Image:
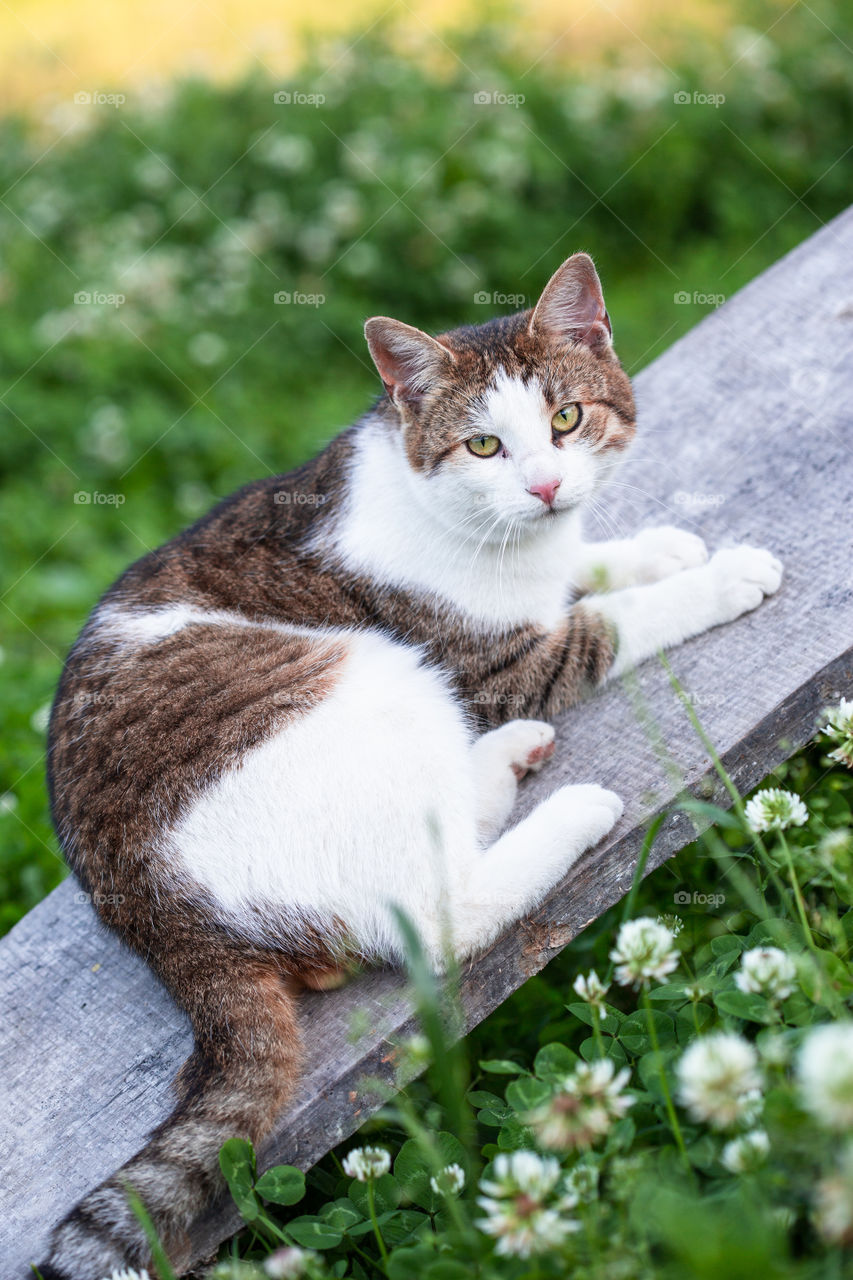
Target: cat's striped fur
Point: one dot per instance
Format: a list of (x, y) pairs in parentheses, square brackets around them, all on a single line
[(264, 722)]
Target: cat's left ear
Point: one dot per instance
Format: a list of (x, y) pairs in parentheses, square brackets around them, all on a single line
[(409, 361), (572, 307)]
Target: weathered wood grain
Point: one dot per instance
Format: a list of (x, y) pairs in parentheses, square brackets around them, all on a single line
[(747, 435)]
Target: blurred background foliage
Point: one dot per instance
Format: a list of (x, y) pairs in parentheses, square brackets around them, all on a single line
[(184, 209)]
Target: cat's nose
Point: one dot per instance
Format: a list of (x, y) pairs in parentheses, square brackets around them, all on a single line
[(547, 491)]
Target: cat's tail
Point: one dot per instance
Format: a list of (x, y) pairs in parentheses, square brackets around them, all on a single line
[(246, 1060)]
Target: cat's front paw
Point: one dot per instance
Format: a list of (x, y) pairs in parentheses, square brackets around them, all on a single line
[(663, 551), (529, 744), (586, 813), (743, 577)]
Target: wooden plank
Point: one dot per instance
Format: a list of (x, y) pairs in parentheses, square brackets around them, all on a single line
[(745, 436)]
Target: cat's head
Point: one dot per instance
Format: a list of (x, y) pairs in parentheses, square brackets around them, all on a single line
[(521, 418)]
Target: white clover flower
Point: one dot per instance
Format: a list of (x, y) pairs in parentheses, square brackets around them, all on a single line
[(417, 1050), (825, 1071), (784, 1216), (583, 1109), (834, 1202), (153, 172), (207, 348), (835, 846), (40, 718), (365, 1163), (234, 1269), (523, 1232), (450, 1180), (671, 921), (752, 1109), (590, 988), (523, 1171), (774, 810), (644, 950), (8, 802), (766, 971), (775, 1049), (290, 154), (580, 1186), (746, 1153), (414, 1056), (290, 1263), (719, 1079), (839, 729), (600, 1079), (520, 1207)]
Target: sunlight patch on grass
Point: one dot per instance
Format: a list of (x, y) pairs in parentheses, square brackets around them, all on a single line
[(50, 50)]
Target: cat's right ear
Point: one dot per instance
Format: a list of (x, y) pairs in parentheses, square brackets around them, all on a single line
[(572, 305), (409, 361)]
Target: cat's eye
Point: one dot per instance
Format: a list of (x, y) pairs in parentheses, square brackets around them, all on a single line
[(484, 446), (566, 419)]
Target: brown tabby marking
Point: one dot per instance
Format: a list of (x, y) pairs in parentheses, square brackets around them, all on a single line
[(566, 373), (247, 1059)]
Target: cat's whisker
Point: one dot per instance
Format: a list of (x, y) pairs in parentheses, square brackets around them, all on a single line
[(631, 489), (475, 518), (517, 547), (469, 518), (509, 530), (624, 484), (494, 524), (603, 516)]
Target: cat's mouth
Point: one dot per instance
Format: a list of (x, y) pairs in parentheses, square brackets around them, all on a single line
[(552, 512)]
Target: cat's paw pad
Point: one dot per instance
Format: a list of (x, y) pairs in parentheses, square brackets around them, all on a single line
[(666, 550), (529, 745), (743, 577), (539, 756)]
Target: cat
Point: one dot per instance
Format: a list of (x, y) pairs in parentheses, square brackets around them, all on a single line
[(319, 701)]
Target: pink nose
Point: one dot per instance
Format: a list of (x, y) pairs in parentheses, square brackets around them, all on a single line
[(546, 491)]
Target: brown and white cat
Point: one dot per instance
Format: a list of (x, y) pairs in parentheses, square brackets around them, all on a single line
[(264, 723)]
